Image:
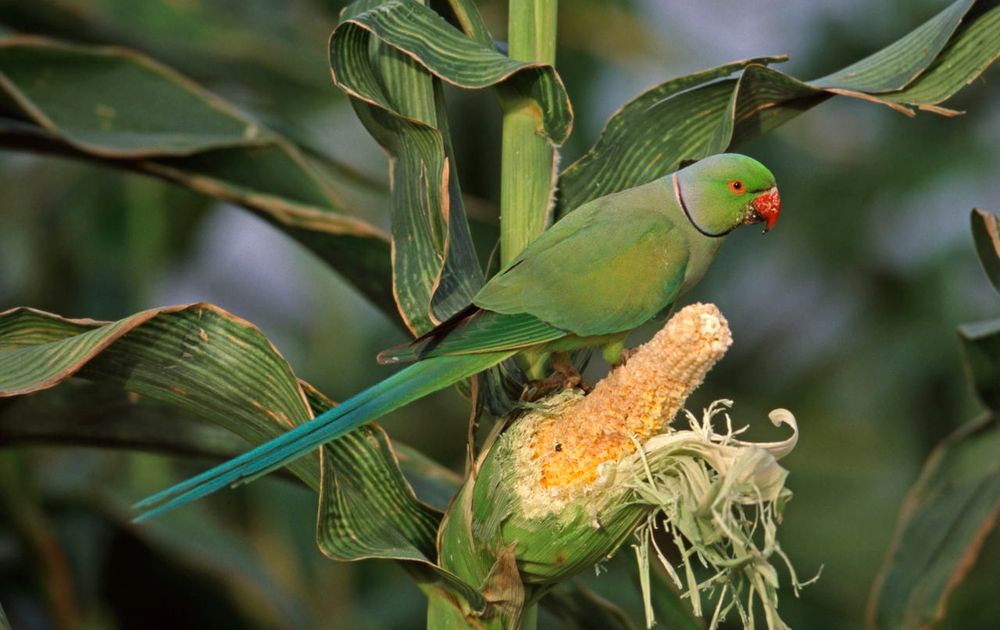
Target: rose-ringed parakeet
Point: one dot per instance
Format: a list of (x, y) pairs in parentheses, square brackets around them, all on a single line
[(590, 279)]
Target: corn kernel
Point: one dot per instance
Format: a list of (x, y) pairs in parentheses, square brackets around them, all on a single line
[(636, 401)]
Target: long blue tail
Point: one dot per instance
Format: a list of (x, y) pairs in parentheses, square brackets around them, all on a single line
[(416, 381)]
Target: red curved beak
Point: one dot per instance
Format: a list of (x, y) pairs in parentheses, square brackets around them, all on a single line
[(768, 207)]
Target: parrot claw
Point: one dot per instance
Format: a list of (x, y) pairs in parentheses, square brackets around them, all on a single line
[(564, 376), (625, 355)]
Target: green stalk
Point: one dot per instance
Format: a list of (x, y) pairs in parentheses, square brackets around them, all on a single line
[(527, 172), (527, 184), (530, 619)]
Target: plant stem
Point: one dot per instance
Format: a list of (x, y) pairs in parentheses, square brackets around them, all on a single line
[(530, 619), (527, 172)]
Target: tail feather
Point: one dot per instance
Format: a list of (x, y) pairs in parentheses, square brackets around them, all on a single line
[(416, 381)]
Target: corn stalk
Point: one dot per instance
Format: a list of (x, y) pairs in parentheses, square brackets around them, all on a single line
[(529, 160)]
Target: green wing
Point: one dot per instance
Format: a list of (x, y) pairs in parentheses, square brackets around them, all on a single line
[(476, 331), (493, 332), (607, 267)]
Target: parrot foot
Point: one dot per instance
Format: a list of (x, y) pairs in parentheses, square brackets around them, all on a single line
[(625, 355), (564, 376)]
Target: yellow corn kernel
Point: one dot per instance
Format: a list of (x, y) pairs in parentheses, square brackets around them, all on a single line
[(634, 402)]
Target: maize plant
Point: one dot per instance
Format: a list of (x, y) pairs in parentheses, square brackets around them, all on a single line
[(561, 478)]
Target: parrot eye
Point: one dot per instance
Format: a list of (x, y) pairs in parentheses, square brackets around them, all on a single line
[(737, 187)]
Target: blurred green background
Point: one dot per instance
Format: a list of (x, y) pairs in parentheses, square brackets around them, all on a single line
[(845, 314)]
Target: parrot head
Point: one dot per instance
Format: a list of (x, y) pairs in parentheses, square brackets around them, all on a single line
[(725, 191)]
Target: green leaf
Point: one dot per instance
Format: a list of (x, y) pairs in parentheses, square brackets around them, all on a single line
[(251, 49), (99, 100), (104, 415), (944, 522), (399, 104), (986, 235), (719, 109), (574, 603), (970, 51), (390, 57), (122, 109), (433, 483), (222, 369), (955, 503), (981, 345), (366, 508), (449, 55), (470, 20), (893, 67), (204, 545)]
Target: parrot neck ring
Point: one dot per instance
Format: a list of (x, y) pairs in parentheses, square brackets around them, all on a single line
[(687, 213)]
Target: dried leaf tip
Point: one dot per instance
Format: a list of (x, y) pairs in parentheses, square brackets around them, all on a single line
[(636, 401)]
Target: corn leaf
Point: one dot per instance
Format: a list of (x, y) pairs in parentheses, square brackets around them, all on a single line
[(222, 369), (574, 603), (391, 58), (981, 344), (955, 503), (202, 546), (970, 51), (981, 341), (895, 66), (91, 98), (103, 415), (719, 109), (122, 109), (251, 49), (466, 14), (986, 235), (943, 524)]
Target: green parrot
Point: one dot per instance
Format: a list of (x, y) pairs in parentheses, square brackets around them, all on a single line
[(590, 279)]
